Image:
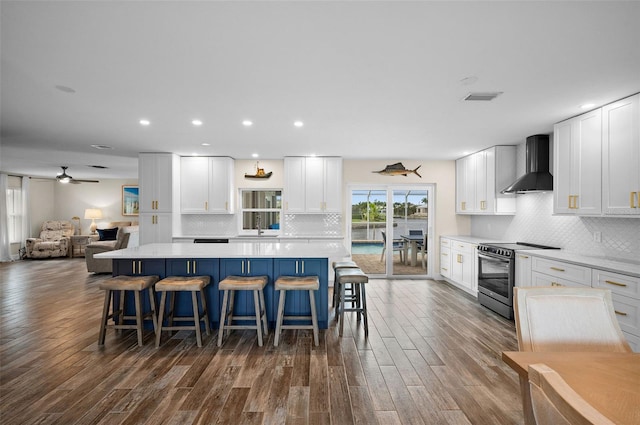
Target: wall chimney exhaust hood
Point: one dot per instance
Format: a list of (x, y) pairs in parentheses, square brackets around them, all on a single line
[(537, 177)]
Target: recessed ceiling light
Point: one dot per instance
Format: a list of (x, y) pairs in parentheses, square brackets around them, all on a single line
[(101, 147), (298, 124), (196, 122), (205, 144), (255, 155), (145, 122), (66, 89), (247, 123), (587, 105)]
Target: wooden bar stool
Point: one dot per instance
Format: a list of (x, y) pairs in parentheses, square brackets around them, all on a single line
[(297, 283), (126, 284), (358, 300), (337, 265), (231, 284), (173, 284)]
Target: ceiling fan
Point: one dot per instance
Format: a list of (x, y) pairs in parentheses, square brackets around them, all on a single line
[(66, 178)]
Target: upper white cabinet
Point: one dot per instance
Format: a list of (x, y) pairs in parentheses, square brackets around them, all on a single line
[(312, 185), (156, 181), (479, 179), (597, 161), (206, 185), (577, 146), (621, 157)]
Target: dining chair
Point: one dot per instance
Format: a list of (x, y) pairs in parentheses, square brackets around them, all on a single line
[(567, 319), (554, 402), (397, 246), (423, 251), (415, 232)]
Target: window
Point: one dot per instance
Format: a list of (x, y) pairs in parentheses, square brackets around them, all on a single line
[(260, 208), (14, 210)]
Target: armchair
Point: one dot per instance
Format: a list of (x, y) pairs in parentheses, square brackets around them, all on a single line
[(127, 237), (54, 240)]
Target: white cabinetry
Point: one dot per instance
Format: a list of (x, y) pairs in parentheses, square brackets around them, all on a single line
[(445, 257), (479, 179), (158, 182), (577, 184), (461, 262), (621, 157), (523, 270), (313, 185), (625, 289), (206, 185)]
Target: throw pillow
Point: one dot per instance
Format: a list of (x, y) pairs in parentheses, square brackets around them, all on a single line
[(108, 234)]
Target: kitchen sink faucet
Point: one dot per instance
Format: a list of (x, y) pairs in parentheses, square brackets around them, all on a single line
[(258, 224)]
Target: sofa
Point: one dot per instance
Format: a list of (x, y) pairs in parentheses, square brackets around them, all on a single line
[(54, 240), (126, 237)]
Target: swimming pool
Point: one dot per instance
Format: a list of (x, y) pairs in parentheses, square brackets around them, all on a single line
[(366, 248)]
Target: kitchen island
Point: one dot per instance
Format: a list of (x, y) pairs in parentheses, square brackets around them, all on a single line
[(218, 261)]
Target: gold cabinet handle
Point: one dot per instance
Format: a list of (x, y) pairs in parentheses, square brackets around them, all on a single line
[(611, 282), (206, 206), (459, 258), (248, 266), (226, 206), (445, 254), (194, 267), (557, 269), (555, 284), (524, 256), (632, 199), (445, 269), (463, 206), (620, 313), (188, 267)]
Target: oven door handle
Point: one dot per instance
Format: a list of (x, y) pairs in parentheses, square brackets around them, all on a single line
[(492, 258)]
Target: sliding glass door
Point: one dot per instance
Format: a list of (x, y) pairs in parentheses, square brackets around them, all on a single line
[(389, 229)]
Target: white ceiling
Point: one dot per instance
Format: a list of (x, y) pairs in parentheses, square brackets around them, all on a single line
[(374, 80)]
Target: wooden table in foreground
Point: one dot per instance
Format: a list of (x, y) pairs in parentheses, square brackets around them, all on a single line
[(610, 382)]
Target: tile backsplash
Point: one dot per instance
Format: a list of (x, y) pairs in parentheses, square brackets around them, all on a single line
[(534, 222)]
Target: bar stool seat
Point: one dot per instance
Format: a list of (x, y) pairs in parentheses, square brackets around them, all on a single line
[(124, 285), (297, 283), (337, 265), (230, 285), (173, 284), (358, 300)]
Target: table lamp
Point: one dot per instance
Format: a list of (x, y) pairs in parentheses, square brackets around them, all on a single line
[(93, 213)]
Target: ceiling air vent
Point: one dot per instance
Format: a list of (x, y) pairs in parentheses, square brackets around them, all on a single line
[(483, 96)]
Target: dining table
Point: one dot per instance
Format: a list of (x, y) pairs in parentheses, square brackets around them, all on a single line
[(608, 381), (413, 241)]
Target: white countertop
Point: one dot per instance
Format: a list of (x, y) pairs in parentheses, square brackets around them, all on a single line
[(469, 239), (268, 249), (616, 265)]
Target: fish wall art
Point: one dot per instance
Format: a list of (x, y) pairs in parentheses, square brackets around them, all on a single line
[(398, 169)]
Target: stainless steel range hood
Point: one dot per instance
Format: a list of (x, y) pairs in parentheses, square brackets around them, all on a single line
[(537, 177)]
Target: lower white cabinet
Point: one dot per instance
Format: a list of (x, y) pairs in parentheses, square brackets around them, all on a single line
[(155, 228), (523, 270), (625, 289), (462, 262)]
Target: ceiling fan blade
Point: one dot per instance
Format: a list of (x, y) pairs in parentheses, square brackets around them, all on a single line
[(72, 181), (84, 181)]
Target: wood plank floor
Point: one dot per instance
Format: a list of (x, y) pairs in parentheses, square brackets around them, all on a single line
[(432, 357)]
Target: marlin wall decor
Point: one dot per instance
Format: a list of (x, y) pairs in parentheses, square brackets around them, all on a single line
[(398, 169)]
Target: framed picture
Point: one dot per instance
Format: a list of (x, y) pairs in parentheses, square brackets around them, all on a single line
[(130, 200)]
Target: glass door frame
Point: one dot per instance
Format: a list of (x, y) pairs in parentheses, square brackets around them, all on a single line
[(430, 188)]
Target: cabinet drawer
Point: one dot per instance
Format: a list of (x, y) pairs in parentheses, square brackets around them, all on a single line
[(578, 274), (541, 279), (617, 283), (463, 247), (628, 313), (445, 243)]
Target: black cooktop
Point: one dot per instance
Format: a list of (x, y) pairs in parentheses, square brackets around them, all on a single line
[(517, 245)]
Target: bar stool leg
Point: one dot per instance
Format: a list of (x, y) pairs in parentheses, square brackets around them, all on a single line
[(154, 313), (256, 302), (280, 316), (163, 299), (225, 300), (264, 313), (105, 317), (207, 327), (314, 317), (341, 319), (232, 302), (121, 303), (364, 309), (136, 295), (196, 318)]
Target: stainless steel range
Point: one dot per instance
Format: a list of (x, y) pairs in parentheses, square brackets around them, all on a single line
[(496, 274)]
